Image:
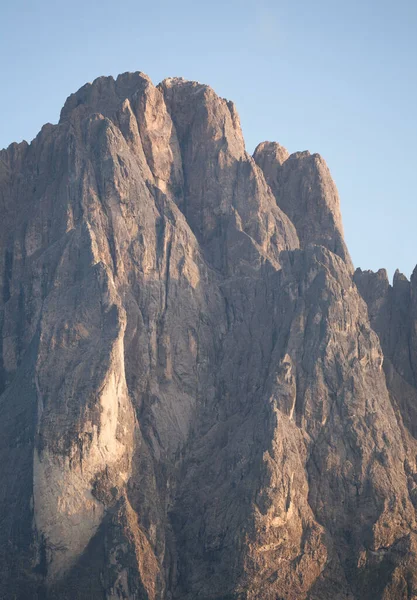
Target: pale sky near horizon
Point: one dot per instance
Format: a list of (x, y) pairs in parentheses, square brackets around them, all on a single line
[(329, 76)]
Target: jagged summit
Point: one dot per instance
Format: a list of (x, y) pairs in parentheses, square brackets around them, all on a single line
[(105, 94), (134, 93), (197, 398), (268, 154), (304, 190)]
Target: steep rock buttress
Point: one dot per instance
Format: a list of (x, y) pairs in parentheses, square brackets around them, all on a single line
[(194, 398)]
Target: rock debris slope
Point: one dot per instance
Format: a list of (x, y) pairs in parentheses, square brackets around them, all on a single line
[(198, 397)]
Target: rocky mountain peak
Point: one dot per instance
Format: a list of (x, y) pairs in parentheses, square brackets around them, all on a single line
[(105, 94), (267, 155), (224, 194), (197, 398), (305, 191)]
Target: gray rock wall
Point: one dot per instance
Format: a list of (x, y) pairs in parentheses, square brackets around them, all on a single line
[(198, 400)]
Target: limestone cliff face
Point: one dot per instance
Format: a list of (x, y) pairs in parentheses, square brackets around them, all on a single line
[(305, 191), (198, 400)]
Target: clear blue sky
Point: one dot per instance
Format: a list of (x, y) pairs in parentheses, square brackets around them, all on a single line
[(330, 76)]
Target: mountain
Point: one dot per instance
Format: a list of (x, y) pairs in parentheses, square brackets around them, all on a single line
[(200, 398)]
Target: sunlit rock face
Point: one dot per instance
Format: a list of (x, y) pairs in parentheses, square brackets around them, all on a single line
[(199, 399), (305, 191)]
